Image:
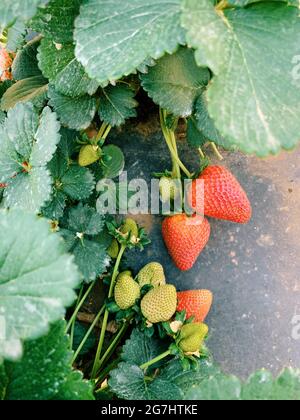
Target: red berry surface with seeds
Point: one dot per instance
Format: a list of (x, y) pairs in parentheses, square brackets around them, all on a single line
[(5, 65), (224, 198), (185, 238), (196, 303)]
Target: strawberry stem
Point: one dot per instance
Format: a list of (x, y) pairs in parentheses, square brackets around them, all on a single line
[(103, 132), (216, 151), (201, 153), (106, 314), (170, 139), (155, 360), (78, 307), (89, 332), (113, 344)]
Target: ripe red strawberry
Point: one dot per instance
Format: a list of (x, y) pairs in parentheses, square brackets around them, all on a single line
[(224, 198), (185, 238), (5, 65), (196, 303)]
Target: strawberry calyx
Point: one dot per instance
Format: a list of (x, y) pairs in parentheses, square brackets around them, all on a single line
[(26, 167)]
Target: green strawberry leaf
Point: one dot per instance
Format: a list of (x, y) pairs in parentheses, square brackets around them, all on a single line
[(259, 387), (139, 349), (28, 144), (247, 93), (128, 382), (185, 379), (68, 143), (81, 235), (176, 90), (205, 123), (69, 181), (54, 209), (23, 9), (195, 137), (4, 86), (85, 220), (113, 161), (243, 3), (44, 372), (25, 64), (56, 21), (78, 183), (117, 104), (16, 35), (28, 191), (32, 90), (75, 113), (53, 58), (90, 255), (114, 38), (2, 117), (262, 386), (36, 279), (219, 387), (60, 66), (79, 334)]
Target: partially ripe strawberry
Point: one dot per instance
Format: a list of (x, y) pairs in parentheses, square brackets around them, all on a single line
[(185, 237), (153, 274), (5, 65), (130, 227), (113, 249), (127, 291), (224, 198), (88, 155), (196, 303), (159, 305), (192, 337)]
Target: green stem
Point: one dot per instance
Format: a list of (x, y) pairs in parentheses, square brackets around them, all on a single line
[(216, 151), (72, 334), (78, 307), (106, 371), (106, 314), (202, 155), (107, 131), (113, 345), (155, 360), (169, 141), (88, 333), (101, 132), (176, 167)]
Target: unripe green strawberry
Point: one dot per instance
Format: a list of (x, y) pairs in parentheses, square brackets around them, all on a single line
[(127, 291), (159, 305), (88, 155), (192, 337), (168, 189), (126, 273), (153, 274), (130, 226), (113, 250)]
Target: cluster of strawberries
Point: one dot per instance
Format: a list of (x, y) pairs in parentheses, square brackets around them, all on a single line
[(6, 61), (223, 198), (162, 302)]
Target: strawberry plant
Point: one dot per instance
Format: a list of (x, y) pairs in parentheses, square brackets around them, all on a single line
[(71, 73)]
